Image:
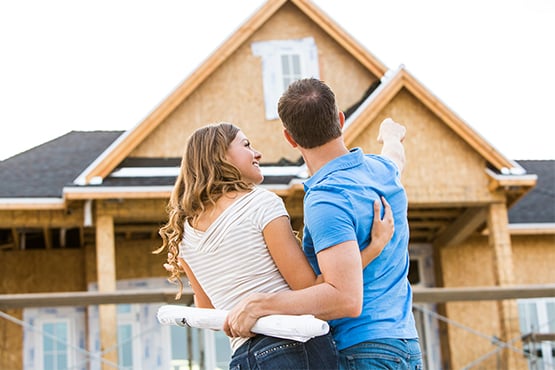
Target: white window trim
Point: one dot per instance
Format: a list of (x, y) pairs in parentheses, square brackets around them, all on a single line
[(540, 305), (271, 52), (132, 319), (157, 343), (39, 340), (423, 254), (33, 335)]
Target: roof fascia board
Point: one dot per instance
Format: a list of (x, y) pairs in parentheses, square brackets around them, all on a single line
[(32, 204), (173, 172), (117, 192), (546, 228), (502, 181), (143, 192), (136, 135), (536, 229)]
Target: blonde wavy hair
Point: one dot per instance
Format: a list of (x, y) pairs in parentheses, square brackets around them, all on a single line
[(205, 175)]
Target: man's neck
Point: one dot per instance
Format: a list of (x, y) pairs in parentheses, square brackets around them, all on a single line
[(318, 157)]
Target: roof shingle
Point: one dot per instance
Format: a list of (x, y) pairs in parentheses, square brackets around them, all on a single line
[(42, 172)]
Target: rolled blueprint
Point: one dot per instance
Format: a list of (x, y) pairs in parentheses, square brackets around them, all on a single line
[(296, 327)]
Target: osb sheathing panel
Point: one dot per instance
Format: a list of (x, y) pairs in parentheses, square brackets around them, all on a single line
[(34, 271), (11, 341), (42, 271), (466, 265), (234, 92), (440, 167), (469, 339), (134, 260), (534, 259)]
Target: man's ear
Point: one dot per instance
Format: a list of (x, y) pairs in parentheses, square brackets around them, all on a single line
[(341, 119), (289, 138)]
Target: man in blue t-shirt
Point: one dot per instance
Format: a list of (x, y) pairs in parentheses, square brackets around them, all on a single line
[(369, 310)]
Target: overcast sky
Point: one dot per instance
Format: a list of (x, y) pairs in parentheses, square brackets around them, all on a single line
[(106, 64)]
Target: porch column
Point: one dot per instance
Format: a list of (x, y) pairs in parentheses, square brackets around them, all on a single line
[(500, 243), (106, 277)]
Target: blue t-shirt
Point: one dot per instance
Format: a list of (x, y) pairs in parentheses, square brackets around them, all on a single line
[(338, 207)]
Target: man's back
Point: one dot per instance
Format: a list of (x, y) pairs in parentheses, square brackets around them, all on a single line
[(338, 207)]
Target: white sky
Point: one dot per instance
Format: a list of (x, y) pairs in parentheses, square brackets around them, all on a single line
[(106, 64)]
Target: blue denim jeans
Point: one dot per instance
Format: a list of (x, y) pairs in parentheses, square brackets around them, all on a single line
[(382, 354), (262, 352)]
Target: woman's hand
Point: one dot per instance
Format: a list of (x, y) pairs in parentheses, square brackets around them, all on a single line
[(381, 232), (241, 318)]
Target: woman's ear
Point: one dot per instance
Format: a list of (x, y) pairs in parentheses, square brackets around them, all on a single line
[(289, 138)]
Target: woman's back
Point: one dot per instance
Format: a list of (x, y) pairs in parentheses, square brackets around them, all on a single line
[(230, 258)]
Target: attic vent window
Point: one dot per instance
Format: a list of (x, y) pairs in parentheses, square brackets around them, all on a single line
[(284, 61)]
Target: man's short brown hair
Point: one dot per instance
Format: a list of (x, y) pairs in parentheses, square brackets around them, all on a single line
[(309, 113)]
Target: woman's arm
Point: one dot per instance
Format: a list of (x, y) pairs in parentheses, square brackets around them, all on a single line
[(291, 261), (200, 298), (288, 255)]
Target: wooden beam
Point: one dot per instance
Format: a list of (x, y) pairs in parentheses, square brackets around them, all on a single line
[(428, 224), (493, 293), (421, 295), (16, 238), (106, 276), (47, 232), (13, 301), (28, 204), (116, 193), (434, 213), (499, 241), (42, 218), (539, 337), (462, 227)]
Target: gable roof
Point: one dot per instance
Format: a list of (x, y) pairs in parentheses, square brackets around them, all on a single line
[(390, 86), (43, 171), (117, 153)]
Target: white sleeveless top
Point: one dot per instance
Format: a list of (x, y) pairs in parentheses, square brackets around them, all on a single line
[(230, 259)]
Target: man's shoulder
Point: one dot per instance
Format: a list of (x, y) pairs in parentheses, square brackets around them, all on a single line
[(385, 162), (324, 196)]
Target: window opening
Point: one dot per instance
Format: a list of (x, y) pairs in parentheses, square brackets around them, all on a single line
[(54, 345), (284, 61), (537, 327)]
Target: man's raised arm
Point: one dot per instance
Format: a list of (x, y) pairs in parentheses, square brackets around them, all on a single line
[(391, 135)]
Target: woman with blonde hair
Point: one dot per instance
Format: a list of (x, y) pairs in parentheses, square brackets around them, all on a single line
[(233, 238)]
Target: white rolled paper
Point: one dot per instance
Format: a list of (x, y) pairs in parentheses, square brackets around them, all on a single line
[(296, 327)]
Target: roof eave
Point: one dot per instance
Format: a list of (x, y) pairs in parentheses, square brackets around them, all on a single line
[(10, 204)]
